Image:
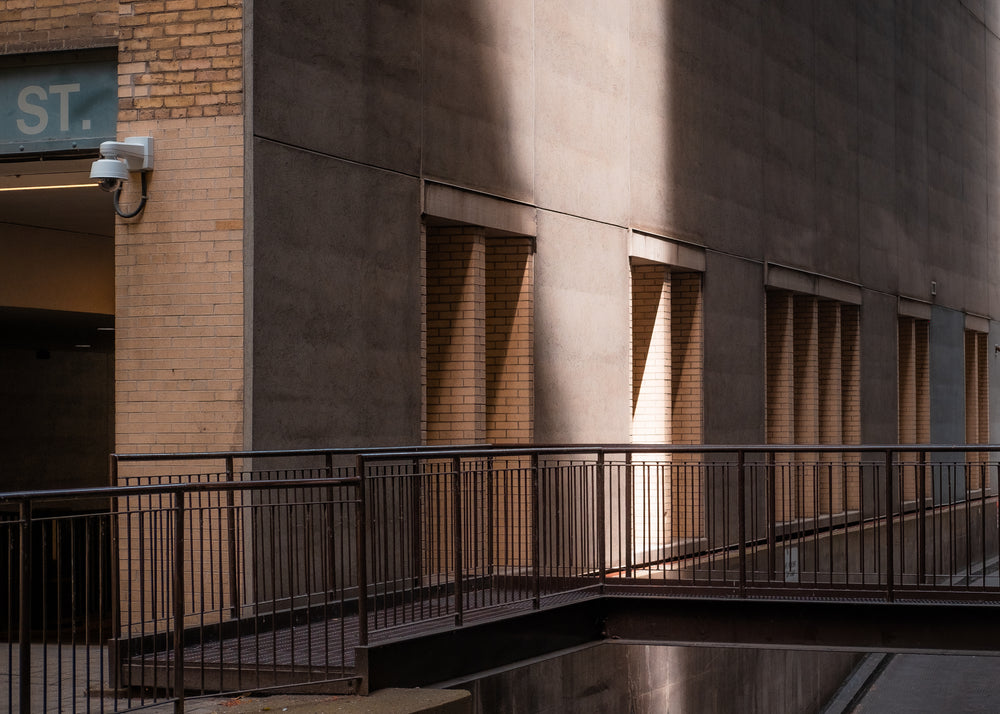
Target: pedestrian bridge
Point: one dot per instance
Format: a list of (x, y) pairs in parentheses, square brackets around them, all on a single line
[(348, 570)]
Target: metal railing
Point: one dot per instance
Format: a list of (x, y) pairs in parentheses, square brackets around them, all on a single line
[(258, 570)]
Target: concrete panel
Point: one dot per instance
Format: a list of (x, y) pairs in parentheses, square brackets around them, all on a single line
[(647, 679), (475, 209), (582, 332), (734, 351), (336, 303), (581, 104), (947, 356), (993, 358), (879, 370), (695, 125), (478, 119), (340, 78)]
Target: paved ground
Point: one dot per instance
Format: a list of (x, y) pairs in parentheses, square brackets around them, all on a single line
[(58, 673), (926, 684)]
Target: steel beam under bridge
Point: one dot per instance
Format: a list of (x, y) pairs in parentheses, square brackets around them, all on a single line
[(959, 628)]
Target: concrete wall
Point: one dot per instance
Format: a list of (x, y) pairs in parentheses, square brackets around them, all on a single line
[(641, 679), (336, 303), (853, 140), (947, 358)]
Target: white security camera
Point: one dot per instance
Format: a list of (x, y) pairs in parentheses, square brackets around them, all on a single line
[(120, 158)]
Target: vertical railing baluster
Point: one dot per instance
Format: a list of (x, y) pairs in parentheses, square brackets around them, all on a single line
[(24, 610), (178, 594), (922, 518), (601, 523), (416, 550), (772, 518), (234, 584), (890, 570), (456, 467), (741, 515), (628, 527), (362, 554), (536, 545)]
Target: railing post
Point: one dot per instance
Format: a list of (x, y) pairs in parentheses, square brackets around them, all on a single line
[(234, 581), (178, 602), (456, 490), (629, 526), (536, 549), (890, 565), (741, 488), (115, 574), (24, 610), (601, 523), (362, 554)]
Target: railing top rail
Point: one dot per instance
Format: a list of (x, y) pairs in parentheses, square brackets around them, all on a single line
[(612, 449), (103, 492), (279, 453)]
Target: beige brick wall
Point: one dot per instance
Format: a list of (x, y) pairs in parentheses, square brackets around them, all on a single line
[(977, 424), (179, 266), (179, 293), (180, 58), (667, 401), (813, 397), (913, 398), (55, 25), (479, 372), (651, 383), (510, 384), (179, 346), (686, 358), (456, 335)]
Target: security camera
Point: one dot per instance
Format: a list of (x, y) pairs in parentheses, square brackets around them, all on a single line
[(119, 159), (109, 183)]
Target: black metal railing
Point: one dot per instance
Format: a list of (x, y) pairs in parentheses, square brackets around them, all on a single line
[(206, 573)]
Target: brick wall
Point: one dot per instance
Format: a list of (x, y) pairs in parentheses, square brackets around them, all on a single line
[(479, 372), (813, 397), (54, 25), (510, 384), (977, 424), (456, 335), (651, 381), (179, 348), (667, 401), (686, 358), (913, 397), (179, 266), (180, 58)]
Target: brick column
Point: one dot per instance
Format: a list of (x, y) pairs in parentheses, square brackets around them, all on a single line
[(456, 335), (510, 384)]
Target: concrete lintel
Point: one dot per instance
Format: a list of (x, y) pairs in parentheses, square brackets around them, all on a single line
[(975, 323), (645, 248), (461, 206), (914, 308), (799, 281)]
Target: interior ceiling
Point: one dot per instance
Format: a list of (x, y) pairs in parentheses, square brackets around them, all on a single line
[(86, 211)]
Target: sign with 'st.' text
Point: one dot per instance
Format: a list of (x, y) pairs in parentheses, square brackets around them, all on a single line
[(57, 107)]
